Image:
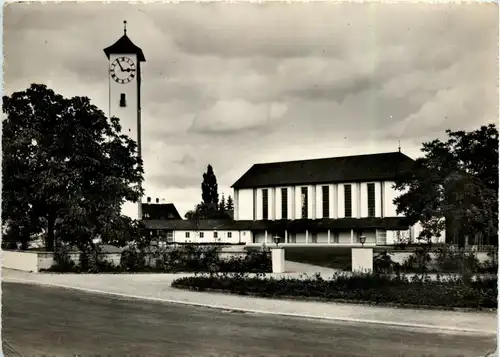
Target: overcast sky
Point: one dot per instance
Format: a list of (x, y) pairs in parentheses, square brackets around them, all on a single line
[(236, 84)]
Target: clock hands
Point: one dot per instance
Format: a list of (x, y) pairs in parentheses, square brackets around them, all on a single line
[(120, 65)]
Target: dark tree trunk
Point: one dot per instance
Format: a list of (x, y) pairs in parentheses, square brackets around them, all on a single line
[(50, 240)]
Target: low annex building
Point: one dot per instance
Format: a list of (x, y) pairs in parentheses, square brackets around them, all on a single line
[(320, 201)]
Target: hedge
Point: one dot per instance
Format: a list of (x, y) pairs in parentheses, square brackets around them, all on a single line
[(174, 259), (452, 292)]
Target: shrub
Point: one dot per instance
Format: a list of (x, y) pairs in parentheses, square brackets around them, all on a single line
[(449, 259), (382, 263), (373, 288), (491, 265), (63, 262), (171, 259), (419, 261), (92, 261), (132, 259)]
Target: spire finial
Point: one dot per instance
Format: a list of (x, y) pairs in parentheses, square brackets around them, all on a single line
[(399, 145), (125, 27)]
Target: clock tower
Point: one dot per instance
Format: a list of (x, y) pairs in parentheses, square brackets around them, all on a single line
[(124, 75)]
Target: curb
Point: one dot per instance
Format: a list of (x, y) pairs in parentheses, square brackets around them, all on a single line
[(255, 311)]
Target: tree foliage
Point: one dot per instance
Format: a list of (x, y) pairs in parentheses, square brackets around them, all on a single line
[(454, 186), (66, 167), (209, 188), (230, 206), (222, 204), (210, 206)]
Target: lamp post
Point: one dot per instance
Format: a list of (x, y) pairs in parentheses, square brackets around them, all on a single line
[(276, 239), (362, 240)]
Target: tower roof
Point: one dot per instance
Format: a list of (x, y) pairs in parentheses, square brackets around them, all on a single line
[(125, 46)]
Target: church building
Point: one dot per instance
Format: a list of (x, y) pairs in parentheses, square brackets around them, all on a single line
[(320, 201)]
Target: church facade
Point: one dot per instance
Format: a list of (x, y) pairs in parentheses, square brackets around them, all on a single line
[(333, 201)]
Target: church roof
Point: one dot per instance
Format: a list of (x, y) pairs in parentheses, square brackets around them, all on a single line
[(125, 46), (359, 168)]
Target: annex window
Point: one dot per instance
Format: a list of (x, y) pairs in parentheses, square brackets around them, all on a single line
[(325, 190), (187, 234), (371, 200), (215, 235), (229, 234), (265, 203), (284, 203), (303, 202), (201, 234), (123, 102), (348, 200), (170, 236)]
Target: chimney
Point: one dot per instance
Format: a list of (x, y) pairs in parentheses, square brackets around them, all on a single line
[(149, 199), (157, 200)]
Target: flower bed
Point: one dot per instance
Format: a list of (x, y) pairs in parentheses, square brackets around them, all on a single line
[(478, 293)]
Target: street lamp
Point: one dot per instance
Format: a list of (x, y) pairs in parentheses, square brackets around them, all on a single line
[(276, 239), (362, 240)]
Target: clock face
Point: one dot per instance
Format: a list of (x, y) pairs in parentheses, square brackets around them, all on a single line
[(123, 70)]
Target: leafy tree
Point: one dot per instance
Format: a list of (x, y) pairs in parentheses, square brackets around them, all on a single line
[(222, 204), (122, 230), (66, 168), (454, 186)]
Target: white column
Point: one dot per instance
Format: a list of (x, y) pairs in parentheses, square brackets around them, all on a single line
[(273, 213), (382, 199), (329, 238), (254, 204), (235, 205), (352, 236), (313, 199), (265, 236), (335, 200), (358, 198), (286, 236), (307, 236)]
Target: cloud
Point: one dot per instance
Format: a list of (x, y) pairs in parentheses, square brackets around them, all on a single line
[(233, 115), (234, 84)]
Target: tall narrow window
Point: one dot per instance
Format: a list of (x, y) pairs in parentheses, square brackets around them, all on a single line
[(265, 204), (371, 200), (303, 202), (123, 102), (326, 201), (348, 200), (284, 203)]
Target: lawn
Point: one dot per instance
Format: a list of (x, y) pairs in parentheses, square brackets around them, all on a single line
[(329, 257)]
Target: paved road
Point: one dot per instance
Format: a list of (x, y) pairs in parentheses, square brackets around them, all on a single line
[(51, 321)]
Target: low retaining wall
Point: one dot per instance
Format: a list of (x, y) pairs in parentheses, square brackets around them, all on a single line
[(401, 257), (25, 261), (35, 261)]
